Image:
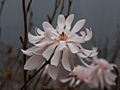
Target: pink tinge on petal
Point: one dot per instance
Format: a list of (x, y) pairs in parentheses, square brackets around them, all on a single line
[(76, 38), (34, 62), (49, 51), (29, 51), (34, 39), (38, 31), (61, 21), (65, 60), (69, 21), (53, 72), (56, 57), (73, 48), (47, 26), (77, 26), (101, 78), (89, 34)]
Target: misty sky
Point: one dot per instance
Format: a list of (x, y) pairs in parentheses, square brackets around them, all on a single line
[(101, 15)]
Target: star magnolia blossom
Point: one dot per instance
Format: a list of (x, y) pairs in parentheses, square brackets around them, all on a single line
[(78, 76), (58, 45), (101, 74)]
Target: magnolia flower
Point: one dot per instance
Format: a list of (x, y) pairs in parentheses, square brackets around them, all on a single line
[(77, 77), (58, 45), (101, 74)]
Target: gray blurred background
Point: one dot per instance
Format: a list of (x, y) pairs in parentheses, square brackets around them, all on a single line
[(102, 16)]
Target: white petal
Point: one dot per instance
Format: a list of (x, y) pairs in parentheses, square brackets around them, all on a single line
[(90, 53), (53, 72), (44, 43), (73, 48), (34, 39), (49, 51), (62, 45), (30, 51), (65, 80), (56, 57), (65, 60), (76, 38), (47, 26), (82, 55), (72, 82), (77, 26), (40, 32), (71, 60), (77, 83), (34, 62), (89, 34), (61, 21), (69, 21)]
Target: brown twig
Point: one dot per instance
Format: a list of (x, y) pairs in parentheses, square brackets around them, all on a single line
[(57, 4), (61, 11), (69, 7), (25, 37), (47, 62), (29, 4), (118, 78)]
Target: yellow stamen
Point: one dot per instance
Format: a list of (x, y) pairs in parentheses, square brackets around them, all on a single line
[(63, 36)]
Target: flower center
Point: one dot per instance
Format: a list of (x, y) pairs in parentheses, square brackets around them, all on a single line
[(63, 36)]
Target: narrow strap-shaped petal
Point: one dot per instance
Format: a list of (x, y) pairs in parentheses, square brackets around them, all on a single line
[(34, 39), (89, 34), (47, 26), (34, 62), (69, 21), (49, 51), (30, 51), (61, 21), (101, 78), (65, 60), (56, 57), (40, 32), (73, 48), (77, 26), (53, 72)]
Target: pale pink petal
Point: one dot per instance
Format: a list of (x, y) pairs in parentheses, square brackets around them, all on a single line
[(44, 43), (109, 77), (77, 26), (61, 21), (63, 73), (76, 38), (90, 53), (82, 55), (34, 39), (56, 57), (53, 72), (34, 62), (30, 51), (73, 48), (100, 76), (69, 21), (47, 26), (72, 82), (40, 32), (89, 34), (71, 59), (65, 80), (77, 83), (49, 51), (65, 60), (62, 45)]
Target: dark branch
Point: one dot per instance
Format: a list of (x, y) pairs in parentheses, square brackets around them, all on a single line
[(28, 7)]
